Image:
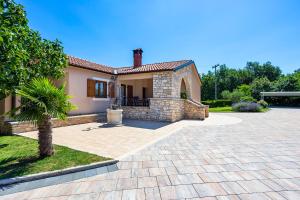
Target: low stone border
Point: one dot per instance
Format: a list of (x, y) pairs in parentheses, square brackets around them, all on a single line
[(10, 127), (22, 183)]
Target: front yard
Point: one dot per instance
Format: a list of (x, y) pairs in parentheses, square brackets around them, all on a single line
[(229, 109), (19, 156), (221, 109)]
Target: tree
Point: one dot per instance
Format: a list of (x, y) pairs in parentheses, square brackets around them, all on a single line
[(24, 55), (260, 85), (245, 89), (287, 83), (41, 101), (208, 84), (265, 70)]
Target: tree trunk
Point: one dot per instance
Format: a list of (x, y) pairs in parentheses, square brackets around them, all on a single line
[(45, 137)]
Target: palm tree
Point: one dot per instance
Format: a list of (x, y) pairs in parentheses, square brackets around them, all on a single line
[(41, 101)]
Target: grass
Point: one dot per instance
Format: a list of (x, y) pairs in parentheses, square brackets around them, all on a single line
[(265, 109), (229, 109), (221, 109), (19, 157)]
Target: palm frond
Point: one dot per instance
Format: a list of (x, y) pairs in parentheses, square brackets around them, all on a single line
[(40, 97)]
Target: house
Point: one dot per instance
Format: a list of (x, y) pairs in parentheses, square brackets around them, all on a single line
[(145, 91)]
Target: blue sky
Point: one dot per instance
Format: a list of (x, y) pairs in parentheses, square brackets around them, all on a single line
[(209, 32)]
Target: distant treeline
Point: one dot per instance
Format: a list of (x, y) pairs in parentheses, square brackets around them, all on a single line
[(258, 77)]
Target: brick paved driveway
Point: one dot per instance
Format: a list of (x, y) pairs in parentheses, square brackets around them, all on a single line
[(258, 158)]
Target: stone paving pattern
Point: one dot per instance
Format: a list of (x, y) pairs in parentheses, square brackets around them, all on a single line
[(258, 158)]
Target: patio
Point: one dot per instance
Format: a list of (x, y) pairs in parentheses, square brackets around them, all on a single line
[(246, 160), (117, 141)]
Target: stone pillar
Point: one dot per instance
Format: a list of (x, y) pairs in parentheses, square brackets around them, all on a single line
[(162, 85)]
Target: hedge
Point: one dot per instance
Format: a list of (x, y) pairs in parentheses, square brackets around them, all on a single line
[(217, 103)]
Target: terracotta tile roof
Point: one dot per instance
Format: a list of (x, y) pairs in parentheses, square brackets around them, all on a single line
[(163, 66), (78, 62)]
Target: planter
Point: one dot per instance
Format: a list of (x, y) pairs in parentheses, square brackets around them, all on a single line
[(114, 116)]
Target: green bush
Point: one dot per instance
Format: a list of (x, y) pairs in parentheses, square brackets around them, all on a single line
[(263, 103), (183, 95), (248, 99), (241, 93), (226, 94), (217, 103), (236, 96), (246, 89)]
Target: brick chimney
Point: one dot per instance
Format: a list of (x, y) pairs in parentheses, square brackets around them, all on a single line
[(137, 57)]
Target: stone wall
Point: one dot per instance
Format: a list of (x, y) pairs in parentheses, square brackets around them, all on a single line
[(167, 109), (9, 127), (193, 110), (132, 112), (162, 85), (160, 109)]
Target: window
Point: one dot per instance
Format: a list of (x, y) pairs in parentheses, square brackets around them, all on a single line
[(100, 89), (96, 88)]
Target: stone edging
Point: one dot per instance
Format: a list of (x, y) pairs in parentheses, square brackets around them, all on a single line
[(43, 175)]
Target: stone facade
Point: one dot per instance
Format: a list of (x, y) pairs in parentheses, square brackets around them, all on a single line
[(9, 127), (166, 109), (131, 112), (166, 104), (193, 110), (163, 85)]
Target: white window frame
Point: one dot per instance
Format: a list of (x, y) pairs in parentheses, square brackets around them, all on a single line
[(105, 80)]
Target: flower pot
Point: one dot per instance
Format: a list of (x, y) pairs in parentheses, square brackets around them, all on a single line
[(114, 116)]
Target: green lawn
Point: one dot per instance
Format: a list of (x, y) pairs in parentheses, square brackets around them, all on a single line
[(19, 156), (221, 109)]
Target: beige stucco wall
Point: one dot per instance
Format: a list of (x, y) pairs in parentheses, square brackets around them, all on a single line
[(77, 88), (195, 86), (135, 76), (192, 82), (5, 105), (63, 80)]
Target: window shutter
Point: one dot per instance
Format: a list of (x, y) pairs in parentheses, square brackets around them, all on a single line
[(91, 88), (111, 87), (105, 89)]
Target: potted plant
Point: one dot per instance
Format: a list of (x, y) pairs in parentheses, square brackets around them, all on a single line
[(114, 114)]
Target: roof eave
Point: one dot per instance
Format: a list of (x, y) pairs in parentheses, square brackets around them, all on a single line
[(183, 65), (87, 68), (150, 71), (187, 64)]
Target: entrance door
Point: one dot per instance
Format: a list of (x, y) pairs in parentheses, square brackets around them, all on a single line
[(129, 91), (123, 95), (144, 92), (130, 95)]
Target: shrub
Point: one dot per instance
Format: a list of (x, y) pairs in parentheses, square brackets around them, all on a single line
[(246, 89), (236, 96), (263, 103), (226, 94), (217, 103), (248, 99), (183, 95), (260, 85), (246, 107)]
